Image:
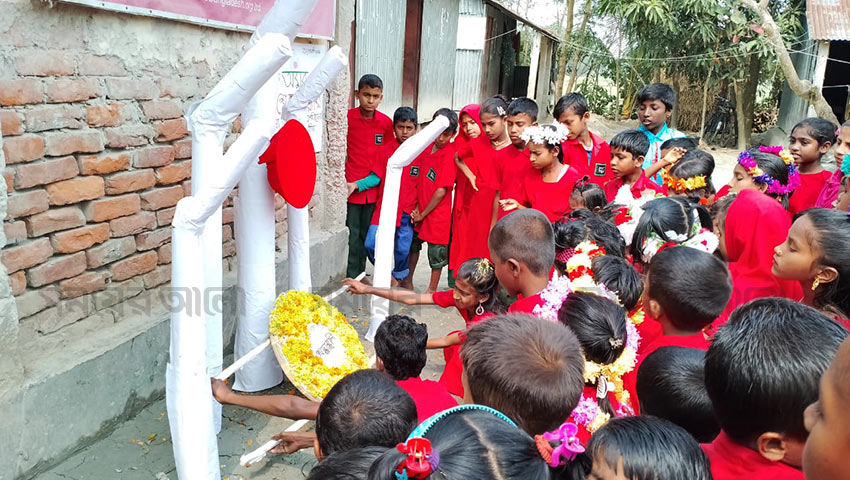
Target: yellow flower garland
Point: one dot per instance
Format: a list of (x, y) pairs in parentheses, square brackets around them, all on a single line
[(293, 311), (680, 185)]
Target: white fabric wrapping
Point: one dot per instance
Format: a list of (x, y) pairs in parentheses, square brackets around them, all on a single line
[(385, 237), (285, 17), (316, 83), (298, 248)]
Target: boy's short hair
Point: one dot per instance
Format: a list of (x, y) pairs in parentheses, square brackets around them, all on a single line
[(688, 143), (764, 367), (632, 141), (348, 465), (528, 368), (400, 343), (370, 80), (671, 385), (658, 91), (405, 114), (569, 234), (451, 115), (366, 408), (524, 105), (527, 237), (691, 286), (619, 276), (572, 101)]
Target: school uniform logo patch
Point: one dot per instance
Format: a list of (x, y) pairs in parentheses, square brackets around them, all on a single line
[(600, 169), (431, 175), (379, 139), (414, 171)]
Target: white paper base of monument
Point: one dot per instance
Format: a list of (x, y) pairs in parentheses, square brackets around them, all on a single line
[(385, 237), (298, 248)]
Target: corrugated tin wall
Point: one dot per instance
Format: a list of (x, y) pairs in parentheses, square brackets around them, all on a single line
[(437, 60), (474, 8), (467, 78), (379, 46)]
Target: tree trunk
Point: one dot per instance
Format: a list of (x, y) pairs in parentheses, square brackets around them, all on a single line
[(677, 90), (743, 141), (565, 47), (704, 104), (749, 98), (582, 30), (617, 62), (802, 88)]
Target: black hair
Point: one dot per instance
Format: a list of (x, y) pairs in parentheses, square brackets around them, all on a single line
[(823, 131), (591, 194), (400, 343), (524, 105), (347, 465), (572, 101), (695, 163), (473, 444), (658, 91), (370, 80), (671, 385), (691, 286), (569, 233), (494, 106), (405, 114), (649, 448), (688, 143), (763, 368), (526, 236), (774, 166), (451, 115), (526, 367), (600, 326), (667, 214), (832, 239), (632, 141), (502, 97), (552, 147), (480, 273), (366, 408), (620, 277)]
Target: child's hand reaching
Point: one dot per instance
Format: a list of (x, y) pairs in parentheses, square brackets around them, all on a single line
[(291, 442), (415, 216), (509, 204), (355, 287), (352, 187), (221, 392), (472, 179), (674, 155)]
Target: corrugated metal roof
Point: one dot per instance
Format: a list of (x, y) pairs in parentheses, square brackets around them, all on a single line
[(507, 11), (828, 19)]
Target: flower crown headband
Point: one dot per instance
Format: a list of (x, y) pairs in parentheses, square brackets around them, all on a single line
[(554, 134), (699, 238), (681, 185), (746, 160)]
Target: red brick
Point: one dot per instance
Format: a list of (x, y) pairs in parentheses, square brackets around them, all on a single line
[(174, 173), (153, 157), (27, 255), (226, 233), (34, 301), (57, 268), (132, 266), (104, 115), (24, 91), (18, 282), (158, 276), (168, 130), (27, 203), (84, 284), (179, 87), (58, 144), (10, 123), (279, 202), (129, 136), (66, 313), (164, 253), (228, 249), (154, 239), (103, 164), (67, 90), (183, 149), (101, 65), (164, 216), (52, 63), (227, 215), (80, 238), (53, 220), (162, 109), (112, 207), (75, 190), (130, 181), (9, 179), (110, 251), (25, 148), (133, 224), (53, 117), (131, 88), (162, 198), (44, 172), (187, 188), (15, 232)]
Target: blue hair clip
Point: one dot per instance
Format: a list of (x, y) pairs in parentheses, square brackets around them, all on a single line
[(425, 426), (845, 165)]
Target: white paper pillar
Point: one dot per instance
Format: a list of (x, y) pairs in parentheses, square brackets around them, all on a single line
[(385, 237)]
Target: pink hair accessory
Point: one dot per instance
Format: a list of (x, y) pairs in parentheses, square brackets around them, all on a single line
[(564, 255), (569, 445)]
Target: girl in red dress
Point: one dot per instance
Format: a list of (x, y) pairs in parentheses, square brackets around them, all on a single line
[(809, 141), (470, 130)]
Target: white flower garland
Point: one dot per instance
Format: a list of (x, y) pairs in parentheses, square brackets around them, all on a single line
[(554, 134)]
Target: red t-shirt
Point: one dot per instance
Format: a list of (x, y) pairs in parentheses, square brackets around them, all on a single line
[(732, 461), (643, 184), (806, 195), (526, 305), (515, 165), (364, 135), (597, 166), (436, 170), (407, 189), (697, 341), (429, 396), (553, 199)]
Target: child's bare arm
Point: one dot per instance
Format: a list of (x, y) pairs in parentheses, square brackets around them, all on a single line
[(438, 196), (289, 406), (447, 341), (400, 295), (466, 172), (673, 156), (291, 442), (495, 215)]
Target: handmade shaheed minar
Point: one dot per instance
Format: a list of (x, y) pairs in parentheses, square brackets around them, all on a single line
[(250, 89)]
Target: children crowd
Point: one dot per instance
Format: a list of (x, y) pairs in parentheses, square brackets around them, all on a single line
[(624, 319)]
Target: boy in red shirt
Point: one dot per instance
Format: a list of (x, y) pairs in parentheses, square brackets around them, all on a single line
[(367, 130), (627, 151), (522, 113), (400, 351), (433, 213), (761, 372), (404, 127), (585, 151)]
